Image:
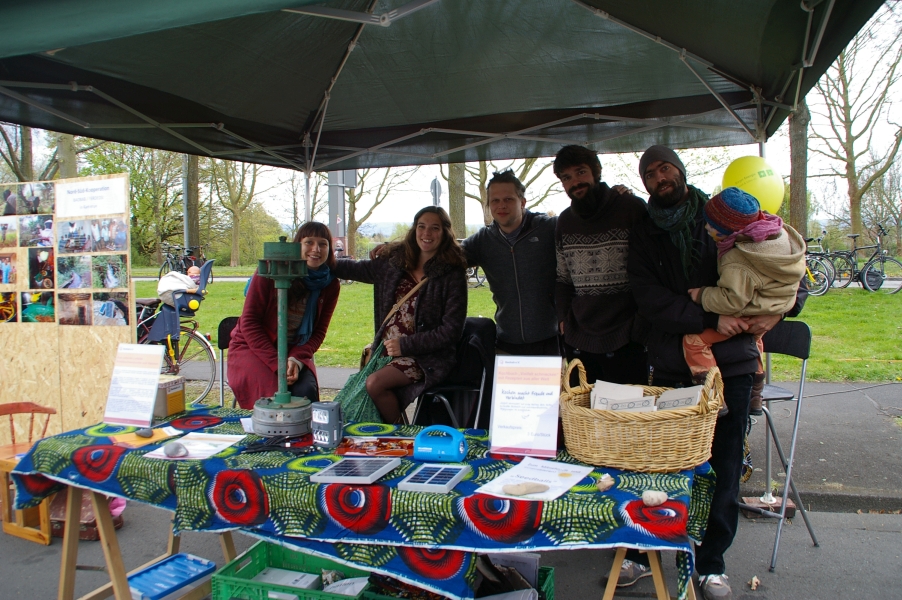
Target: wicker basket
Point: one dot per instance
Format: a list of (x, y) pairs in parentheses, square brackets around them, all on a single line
[(666, 441)]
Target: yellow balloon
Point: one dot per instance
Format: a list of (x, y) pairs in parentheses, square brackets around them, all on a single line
[(752, 174)]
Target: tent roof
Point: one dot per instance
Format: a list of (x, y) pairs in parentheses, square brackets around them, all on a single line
[(435, 81)]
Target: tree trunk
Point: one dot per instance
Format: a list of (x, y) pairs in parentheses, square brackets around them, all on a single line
[(65, 154), (190, 176), (456, 178), (26, 166), (235, 260), (798, 178), (351, 223)]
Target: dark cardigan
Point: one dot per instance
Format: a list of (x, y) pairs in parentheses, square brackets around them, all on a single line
[(440, 313)]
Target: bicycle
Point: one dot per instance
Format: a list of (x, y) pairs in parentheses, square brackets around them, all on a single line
[(188, 353), (194, 257), (818, 251), (878, 267), (171, 262), (474, 278), (817, 276)]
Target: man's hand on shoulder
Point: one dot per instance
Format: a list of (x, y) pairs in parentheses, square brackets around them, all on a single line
[(622, 190), (761, 324), (730, 326)]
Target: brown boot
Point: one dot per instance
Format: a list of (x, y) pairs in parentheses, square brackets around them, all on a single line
[(757, 389)]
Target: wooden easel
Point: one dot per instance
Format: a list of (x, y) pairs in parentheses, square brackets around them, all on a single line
[(657, 574), (118, 585)]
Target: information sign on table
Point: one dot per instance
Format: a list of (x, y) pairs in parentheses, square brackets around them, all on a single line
[(133, 387), (525, 405)]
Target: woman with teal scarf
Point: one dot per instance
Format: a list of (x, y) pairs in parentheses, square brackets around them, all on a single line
[(252, 358)]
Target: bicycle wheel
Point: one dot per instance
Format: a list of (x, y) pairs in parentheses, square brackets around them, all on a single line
[(817, 278), (194, 360), (844, 270), (831, 270), (474, 277), (164, 268), (882, 274)]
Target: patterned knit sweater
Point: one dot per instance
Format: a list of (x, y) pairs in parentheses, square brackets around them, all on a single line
[(592, 292)]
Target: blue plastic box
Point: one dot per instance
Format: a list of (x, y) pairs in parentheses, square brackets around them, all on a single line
[(170, 578)]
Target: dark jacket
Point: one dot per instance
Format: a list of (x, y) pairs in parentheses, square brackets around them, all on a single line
[(440, 313), (521, 277), (661, 291)]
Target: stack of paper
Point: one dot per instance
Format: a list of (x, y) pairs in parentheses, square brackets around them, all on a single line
[(613, 396), (680, 398), (295, 579)]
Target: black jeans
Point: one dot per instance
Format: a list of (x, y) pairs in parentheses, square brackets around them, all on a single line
[(726, 460), (306, 386), (626, 364)]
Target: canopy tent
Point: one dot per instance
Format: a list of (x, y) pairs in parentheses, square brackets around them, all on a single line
[(341, 84)]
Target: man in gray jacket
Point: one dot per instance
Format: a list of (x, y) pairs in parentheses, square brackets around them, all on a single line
[(516, 251)]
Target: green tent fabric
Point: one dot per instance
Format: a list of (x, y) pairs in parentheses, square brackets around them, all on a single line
[(453, 80)]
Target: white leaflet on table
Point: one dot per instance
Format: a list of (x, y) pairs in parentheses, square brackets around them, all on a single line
[(559, 477), (199, 445)]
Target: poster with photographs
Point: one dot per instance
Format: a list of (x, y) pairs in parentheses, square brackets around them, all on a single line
[(64, 252)]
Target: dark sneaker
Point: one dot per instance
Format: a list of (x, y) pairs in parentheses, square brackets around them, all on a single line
[(630, 573), (715, 587)]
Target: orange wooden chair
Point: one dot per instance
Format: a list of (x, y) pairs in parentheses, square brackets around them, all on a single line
[(32, 524)]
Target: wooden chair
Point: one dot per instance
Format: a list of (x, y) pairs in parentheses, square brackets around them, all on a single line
[(31, 524)]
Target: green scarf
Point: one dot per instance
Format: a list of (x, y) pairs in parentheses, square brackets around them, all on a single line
[(677, 220)]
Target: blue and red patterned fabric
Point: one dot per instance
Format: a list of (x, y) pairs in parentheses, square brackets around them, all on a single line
[(425, 539)]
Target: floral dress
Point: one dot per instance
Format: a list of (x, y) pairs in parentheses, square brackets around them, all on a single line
[(403, 323)]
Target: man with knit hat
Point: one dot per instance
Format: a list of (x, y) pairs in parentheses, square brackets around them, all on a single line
[(670, 252), (595, 309)]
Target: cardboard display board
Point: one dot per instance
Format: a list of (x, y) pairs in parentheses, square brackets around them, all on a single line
[(66, 294)]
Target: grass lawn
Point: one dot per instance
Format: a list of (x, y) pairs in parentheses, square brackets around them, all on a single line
[(856, 334)]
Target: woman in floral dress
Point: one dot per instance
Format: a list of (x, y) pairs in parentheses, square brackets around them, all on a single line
[(422, 334)]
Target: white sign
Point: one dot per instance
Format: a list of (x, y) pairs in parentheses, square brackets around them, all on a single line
[(525, 401), (90, 198), (556, 479), (133, 388)]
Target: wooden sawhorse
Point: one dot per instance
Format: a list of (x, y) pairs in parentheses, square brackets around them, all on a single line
[(118, 585), (657, 574)]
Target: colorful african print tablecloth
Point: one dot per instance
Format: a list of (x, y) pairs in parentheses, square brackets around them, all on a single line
[(425, 539)]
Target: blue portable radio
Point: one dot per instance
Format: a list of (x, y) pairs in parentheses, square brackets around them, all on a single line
[(449, 447)]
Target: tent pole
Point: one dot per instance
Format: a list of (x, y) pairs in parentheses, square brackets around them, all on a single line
[(307, 207)]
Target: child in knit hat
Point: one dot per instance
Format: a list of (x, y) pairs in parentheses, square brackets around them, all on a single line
[(760, 261)]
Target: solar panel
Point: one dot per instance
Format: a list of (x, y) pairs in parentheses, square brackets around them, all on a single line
[(356, 470), (434, 478)]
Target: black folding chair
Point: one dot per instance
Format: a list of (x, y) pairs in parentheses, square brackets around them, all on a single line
[(223, 337), (470, 378), (792, 338)]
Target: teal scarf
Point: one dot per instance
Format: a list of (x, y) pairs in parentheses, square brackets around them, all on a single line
[(313, 282), (677, 221)]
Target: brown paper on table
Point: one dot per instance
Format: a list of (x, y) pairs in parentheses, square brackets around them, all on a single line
[(133, 440)]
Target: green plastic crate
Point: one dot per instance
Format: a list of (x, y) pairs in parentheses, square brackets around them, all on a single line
[(546, 586), (234, 579)]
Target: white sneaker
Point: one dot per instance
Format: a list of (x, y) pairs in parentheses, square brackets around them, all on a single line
[(715, 587)]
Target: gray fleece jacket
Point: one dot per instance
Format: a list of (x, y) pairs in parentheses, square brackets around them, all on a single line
[(521, 277)]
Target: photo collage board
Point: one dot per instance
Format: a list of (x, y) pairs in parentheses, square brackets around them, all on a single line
[(64, 251)]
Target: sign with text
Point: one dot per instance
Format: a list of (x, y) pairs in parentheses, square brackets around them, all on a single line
[(91, 197), (133, 387), (525, 405)]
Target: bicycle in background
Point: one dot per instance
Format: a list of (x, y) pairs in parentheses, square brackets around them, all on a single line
[(880, 272), (176, 258), (188, 353)]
